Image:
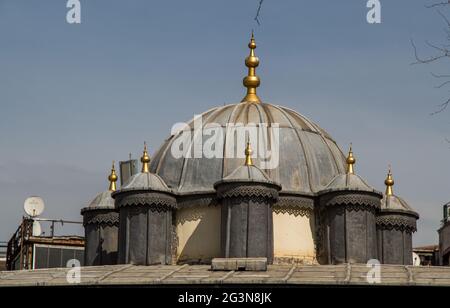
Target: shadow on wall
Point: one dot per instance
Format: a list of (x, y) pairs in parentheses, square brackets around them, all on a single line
[(446, 259), (312, 226), (198, 233), (294, 235), (106, 258)]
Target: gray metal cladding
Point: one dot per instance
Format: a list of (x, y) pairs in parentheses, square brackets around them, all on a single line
[(100, 221), (396, 222), (395, 246), (102, 200), (309, 157), (145, 235), (144, 181), (352, 236)]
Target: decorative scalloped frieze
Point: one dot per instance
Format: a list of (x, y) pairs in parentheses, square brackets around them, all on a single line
[(352, 200), (109, 218), (396, 222), (156, 201), (256, 192)]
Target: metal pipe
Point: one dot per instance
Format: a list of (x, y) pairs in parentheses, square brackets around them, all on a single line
[(59, 220)]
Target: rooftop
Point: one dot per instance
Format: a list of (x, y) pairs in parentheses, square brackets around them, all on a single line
[(345, 274)]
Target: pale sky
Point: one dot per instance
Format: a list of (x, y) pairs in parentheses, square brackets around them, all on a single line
[(75, 97)]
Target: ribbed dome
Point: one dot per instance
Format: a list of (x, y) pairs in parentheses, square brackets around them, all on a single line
[(102, 200), (247, 174), (308, 157), (394, 203), (349, 182), (145, 181)]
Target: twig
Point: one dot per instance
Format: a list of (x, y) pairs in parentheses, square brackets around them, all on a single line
[(444, 17), (448, 141), (259, 11), (442, 107), (441, 76), (437, 4), (430, 59)]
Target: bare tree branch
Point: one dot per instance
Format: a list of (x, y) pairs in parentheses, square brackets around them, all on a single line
[(426, 60), (439, 77), (437, 4), (442, 84), (259, 11), (442, 51), (441, 107), (444, 17)]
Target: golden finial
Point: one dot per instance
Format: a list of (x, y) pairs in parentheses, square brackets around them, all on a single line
[(350, 161), (112, 178), (251, 81), (248, 155), (145, 160), (389, 183)]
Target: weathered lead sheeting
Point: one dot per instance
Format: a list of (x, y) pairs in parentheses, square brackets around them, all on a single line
[(309, 157)]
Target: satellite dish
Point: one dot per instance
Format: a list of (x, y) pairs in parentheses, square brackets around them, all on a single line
[(37, 230), (34, 206), (416, 259)]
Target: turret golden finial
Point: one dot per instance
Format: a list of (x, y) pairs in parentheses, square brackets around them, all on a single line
[(351, 160), (112, 178), (389, 183), (251, 81), (145, 160), (248, 155)]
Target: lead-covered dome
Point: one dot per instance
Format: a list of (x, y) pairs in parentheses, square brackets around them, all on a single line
[(292, 150), (308, 157), (145, 181), (102, 201)]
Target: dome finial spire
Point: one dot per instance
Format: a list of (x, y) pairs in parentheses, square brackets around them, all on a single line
[(251, 81), (351, 160), (389, 183), (248, 155), (145, 160), (112, 178)]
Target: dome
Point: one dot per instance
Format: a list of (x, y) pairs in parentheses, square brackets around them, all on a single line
[(102, 200), (145, 181), (248, 173), (396, 204), (308, 157), (349, 181), (393, 203)]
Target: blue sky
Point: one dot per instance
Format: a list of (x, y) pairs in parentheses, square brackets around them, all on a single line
[(75, 97)]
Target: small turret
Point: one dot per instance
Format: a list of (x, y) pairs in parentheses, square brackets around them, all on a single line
[(246, 197), (347, 210), (396, 221), (101, 224), (145, 205)]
